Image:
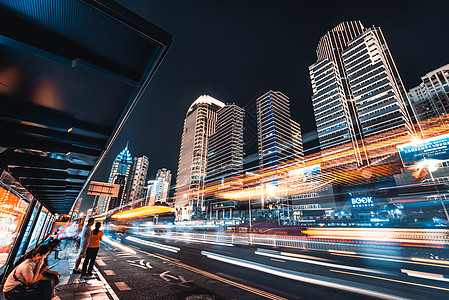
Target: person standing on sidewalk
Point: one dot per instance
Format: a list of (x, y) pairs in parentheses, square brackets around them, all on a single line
[(85, 236), (92, 250)]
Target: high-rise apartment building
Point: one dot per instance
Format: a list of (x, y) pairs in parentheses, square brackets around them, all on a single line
[(225, 151), (361, 109), (157, 190), (137, 179), (431, 97), (279, 137), (199, 125), (119, 175)]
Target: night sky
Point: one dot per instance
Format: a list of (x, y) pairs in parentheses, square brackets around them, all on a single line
[(236, 50)]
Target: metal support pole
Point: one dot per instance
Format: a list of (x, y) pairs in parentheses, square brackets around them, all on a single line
[(249, 210)]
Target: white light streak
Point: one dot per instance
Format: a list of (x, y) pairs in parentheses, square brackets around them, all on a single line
[(297, 276), (118, 245), (320, 263), (155, 245)]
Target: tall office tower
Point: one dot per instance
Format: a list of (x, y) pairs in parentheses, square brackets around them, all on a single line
[(157, 190), (225, 151), (199, 124), (382, 105), (332, 99), (357, 91), (431, 97), (119, 175), (279, 138), (137, 179)]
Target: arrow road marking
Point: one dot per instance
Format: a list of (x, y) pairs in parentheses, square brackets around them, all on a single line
[(163, 277), (166, 277)]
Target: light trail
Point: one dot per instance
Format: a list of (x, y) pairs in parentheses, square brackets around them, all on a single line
[(393, 260), (425, 275), (192, 240), (394, 280), (117, 245), (303, 277), (281, 255), (433, 261), (155, 245)]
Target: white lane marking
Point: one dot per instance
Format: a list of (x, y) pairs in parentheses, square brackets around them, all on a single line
[(106, 284), (325, 264), (155, 245), (109, 272), (122, 286), (147, 264), (297, 276), (100, 262), (425, 275)]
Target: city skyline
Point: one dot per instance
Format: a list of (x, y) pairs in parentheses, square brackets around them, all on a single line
[(291, 70)]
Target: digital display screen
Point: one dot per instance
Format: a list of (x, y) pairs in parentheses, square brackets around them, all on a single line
[(434, 148), (12, 213)]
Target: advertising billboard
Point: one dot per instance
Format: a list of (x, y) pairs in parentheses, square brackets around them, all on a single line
[(12, 212), (434, 148), (362, 201)]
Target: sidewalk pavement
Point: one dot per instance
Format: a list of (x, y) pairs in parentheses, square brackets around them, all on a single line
[(73, 286)]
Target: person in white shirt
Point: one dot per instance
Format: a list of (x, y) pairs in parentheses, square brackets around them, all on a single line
[(85, 236), (25, 281)]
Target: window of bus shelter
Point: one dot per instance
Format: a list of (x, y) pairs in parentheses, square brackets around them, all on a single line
[(50, 225), (27, 232), (44, 228), (12, 213), (37, 229)]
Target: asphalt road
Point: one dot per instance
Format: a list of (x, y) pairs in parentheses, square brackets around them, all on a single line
[(151, 267)]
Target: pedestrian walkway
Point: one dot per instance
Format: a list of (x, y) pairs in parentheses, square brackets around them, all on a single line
[(73, 286)]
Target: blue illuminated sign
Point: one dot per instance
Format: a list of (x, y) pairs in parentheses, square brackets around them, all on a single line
[(362, 201), (434, 148)]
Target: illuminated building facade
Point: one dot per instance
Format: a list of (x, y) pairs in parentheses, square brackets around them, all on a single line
[(332, 100), (431, 97), (199, 125), (279, 137), (225, 151), (119, 175), (137, 179), (358, 97), (157, 190)]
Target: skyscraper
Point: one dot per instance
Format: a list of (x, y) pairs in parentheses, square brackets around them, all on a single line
[(199, 124), (137, 179), (431, 97), (225, 151), (157, 190), (279, 137), (358, 97), (119, 175)]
